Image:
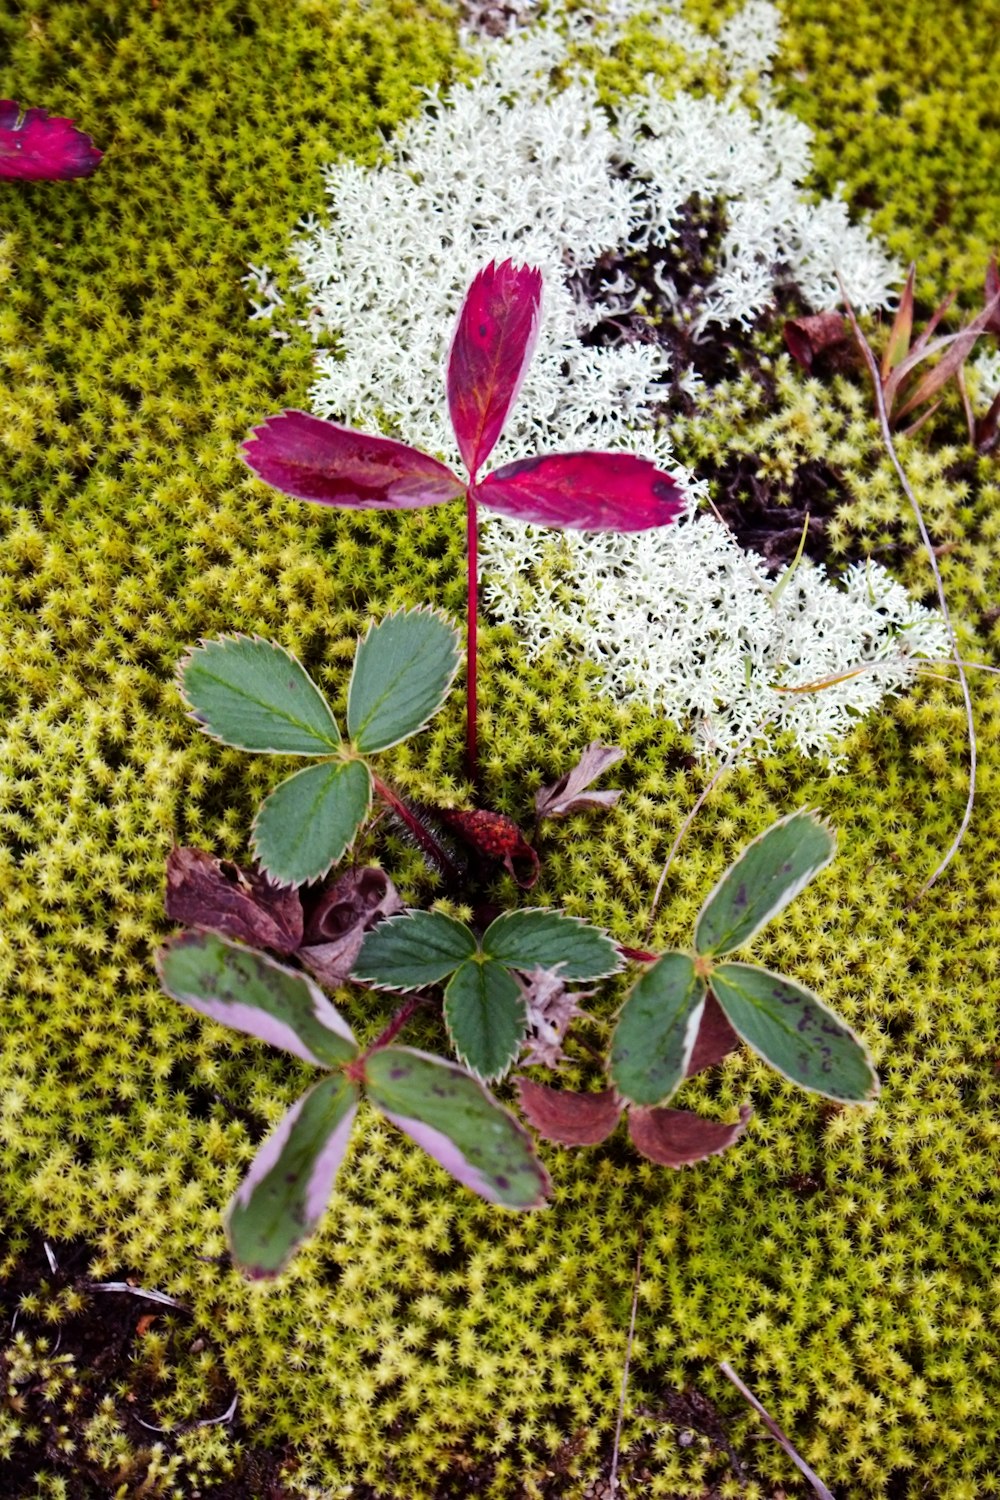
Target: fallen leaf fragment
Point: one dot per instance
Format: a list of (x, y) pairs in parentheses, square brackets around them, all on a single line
[(808, 338), (38, 147), (337, 924), (569, 1118), (569, 795), (677, 1138), (215, 893), (550, 1007)]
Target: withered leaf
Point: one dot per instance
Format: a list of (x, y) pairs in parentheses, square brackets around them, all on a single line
[(550, 1006), (677, 1138), (569, 795), (569, 1118), (715, 1039), (807, 338), (340, 918), (215, 893), (497, 837)]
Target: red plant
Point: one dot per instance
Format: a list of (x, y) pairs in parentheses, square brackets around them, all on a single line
[(38, 147), (314, 459)]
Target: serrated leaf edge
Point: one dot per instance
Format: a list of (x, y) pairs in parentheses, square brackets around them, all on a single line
[(397, 989), (866, 1103), (420, 609), (276, 876), (548, 911), (191, 713), (799, 812), (466, 1064)]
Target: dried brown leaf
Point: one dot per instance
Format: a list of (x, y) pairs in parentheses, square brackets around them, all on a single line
[(338, 922), (807, 338), (215, 893), (677, 1138), (569, 1118), (569, 795)]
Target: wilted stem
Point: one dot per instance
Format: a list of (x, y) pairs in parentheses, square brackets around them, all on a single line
[(422, 836), (471, 612)]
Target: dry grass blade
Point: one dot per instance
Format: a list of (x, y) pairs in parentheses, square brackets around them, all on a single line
[(776, 1432), (613, 1477), (883, 420)]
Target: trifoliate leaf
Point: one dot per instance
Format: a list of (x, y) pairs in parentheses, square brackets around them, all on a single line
[(769, 872), (309, 820), (419, 948), (486, 1016), (282, 1198), (402, 674), (254, 695), (793, 1030), (253, 993), (452, 1116), (656, 1031), (543, 939)]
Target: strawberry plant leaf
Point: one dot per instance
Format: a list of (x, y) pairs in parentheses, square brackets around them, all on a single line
[(253, 993), (655, 1035), (207, 892), (569, 1118), (761, 881), (715, 1039), (486, 1016), (313, 459), (490, 352), (403, 672), (456, 1121), (310, 819), (584, 492), (793, 1030), (254, 695), (282, 1198), (407, 952), (677, 1138), (542, 939), (36, 146)]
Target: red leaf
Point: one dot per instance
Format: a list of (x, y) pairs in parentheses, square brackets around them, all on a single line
[(498, 837), (40, 147), (566, 1117), (715, 1039), (313, 459), (215, 893), (584, 492), (490, 352), (676, 1138)]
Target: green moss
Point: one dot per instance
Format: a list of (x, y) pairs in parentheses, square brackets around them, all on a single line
[(843, 1262)]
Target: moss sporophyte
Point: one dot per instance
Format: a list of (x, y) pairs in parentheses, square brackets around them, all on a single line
[(505, 984)]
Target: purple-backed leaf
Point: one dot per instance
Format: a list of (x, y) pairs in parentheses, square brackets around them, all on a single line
[(215, 893), (715, 1039), (453, 1117), (491, 349), (584, 492), (569, 1118), (282, 1198), (38, 147), (677, 1138), (313, 459), (253, 993)]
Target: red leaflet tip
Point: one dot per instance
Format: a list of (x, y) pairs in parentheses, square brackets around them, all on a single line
[(492, 347), (38, 147)]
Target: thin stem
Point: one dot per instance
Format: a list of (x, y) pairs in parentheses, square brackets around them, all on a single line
[(471, 612), (405, 1012), (422, 836), (883, 420), (776, 1432), (613, 1478)]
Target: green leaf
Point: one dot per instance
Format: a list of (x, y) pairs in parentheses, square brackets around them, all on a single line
[(304, 826), (657, 1030), (255, 695), (251, 992), (282, 1198), (486, 1016), (419, 948), (763, 879), (456, 1121), (541, 939), (402, 674), (791, 1028)]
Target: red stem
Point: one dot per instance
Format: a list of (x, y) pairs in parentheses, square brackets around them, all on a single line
[(471, 610), (391, 1031), (423, 837)]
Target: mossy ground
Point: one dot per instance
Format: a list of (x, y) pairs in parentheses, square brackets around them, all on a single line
[(844, 1262)]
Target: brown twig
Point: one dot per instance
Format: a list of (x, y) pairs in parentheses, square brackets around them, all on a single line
[(883, 420), (776, 1432)]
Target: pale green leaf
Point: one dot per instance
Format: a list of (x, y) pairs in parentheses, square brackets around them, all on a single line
[(656, 1031), (309, 820), (254, 695), (403, 671)]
